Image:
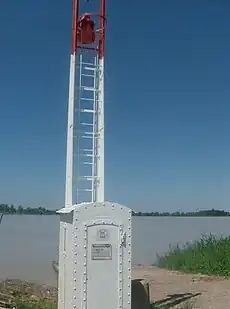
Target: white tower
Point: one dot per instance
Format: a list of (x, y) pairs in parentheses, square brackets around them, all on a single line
[(85, 131), (95, 236)]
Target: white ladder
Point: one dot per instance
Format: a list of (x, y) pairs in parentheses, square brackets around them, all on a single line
[(86, 153)]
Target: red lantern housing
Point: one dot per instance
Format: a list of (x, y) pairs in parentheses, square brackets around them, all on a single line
[(85, 30)]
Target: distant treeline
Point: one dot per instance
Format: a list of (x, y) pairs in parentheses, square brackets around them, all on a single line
[(201, 213), (11, 209)]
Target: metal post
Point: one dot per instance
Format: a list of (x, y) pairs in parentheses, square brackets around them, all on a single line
[(70, 125)]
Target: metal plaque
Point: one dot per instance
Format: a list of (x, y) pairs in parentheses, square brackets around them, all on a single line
[(101, 252)]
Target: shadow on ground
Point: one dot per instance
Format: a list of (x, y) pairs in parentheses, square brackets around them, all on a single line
[(172, 300)]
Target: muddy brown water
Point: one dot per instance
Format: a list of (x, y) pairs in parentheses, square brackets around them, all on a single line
[(29, 243)]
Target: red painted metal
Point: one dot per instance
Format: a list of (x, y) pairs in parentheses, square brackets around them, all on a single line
[(88, 48), (84, 32), (102, 29), (74, 25)]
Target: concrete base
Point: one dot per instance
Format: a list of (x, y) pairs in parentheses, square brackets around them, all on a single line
[(140, 294)]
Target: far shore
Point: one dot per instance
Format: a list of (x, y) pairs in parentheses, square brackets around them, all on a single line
[(12, 210)]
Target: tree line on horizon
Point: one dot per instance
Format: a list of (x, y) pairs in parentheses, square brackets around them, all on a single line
[(201, 213), (11, 209)]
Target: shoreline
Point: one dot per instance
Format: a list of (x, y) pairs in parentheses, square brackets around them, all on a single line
[(166, 286), (137, 267), (143, 215)]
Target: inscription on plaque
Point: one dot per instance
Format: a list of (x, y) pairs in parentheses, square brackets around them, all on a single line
[(101, 252)]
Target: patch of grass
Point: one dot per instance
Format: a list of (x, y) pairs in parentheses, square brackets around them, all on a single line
[(186, 305), (210, 255), (33, 305)]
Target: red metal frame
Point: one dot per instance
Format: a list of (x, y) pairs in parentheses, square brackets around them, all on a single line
[(101, 43), (102, 27), (74, 25)]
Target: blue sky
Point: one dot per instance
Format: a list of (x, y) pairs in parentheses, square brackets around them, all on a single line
[(167, 105)]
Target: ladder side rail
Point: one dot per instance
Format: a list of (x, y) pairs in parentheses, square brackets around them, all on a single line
[(78, 127), (94, 180)]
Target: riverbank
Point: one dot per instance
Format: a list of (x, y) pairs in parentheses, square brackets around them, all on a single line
[(22, 295), (167, 290)]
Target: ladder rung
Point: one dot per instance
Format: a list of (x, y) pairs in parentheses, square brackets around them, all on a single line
[(88, 63), (91, 66), (87, 177), (83, 136), (87, 155), (87, 136), (86, 124), (86, 88), (85, 110), (87, 133), (86, 163), (90, 69), (87, 75), (85, 149), (86, 99), (85, 190)]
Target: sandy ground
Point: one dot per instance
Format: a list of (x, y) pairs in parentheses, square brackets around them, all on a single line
[(168, 288)]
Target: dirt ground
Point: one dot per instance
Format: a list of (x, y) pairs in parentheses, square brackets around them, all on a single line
[(168, 288), (14, 289)]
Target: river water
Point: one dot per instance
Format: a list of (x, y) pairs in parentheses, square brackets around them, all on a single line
[(29, 244)]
